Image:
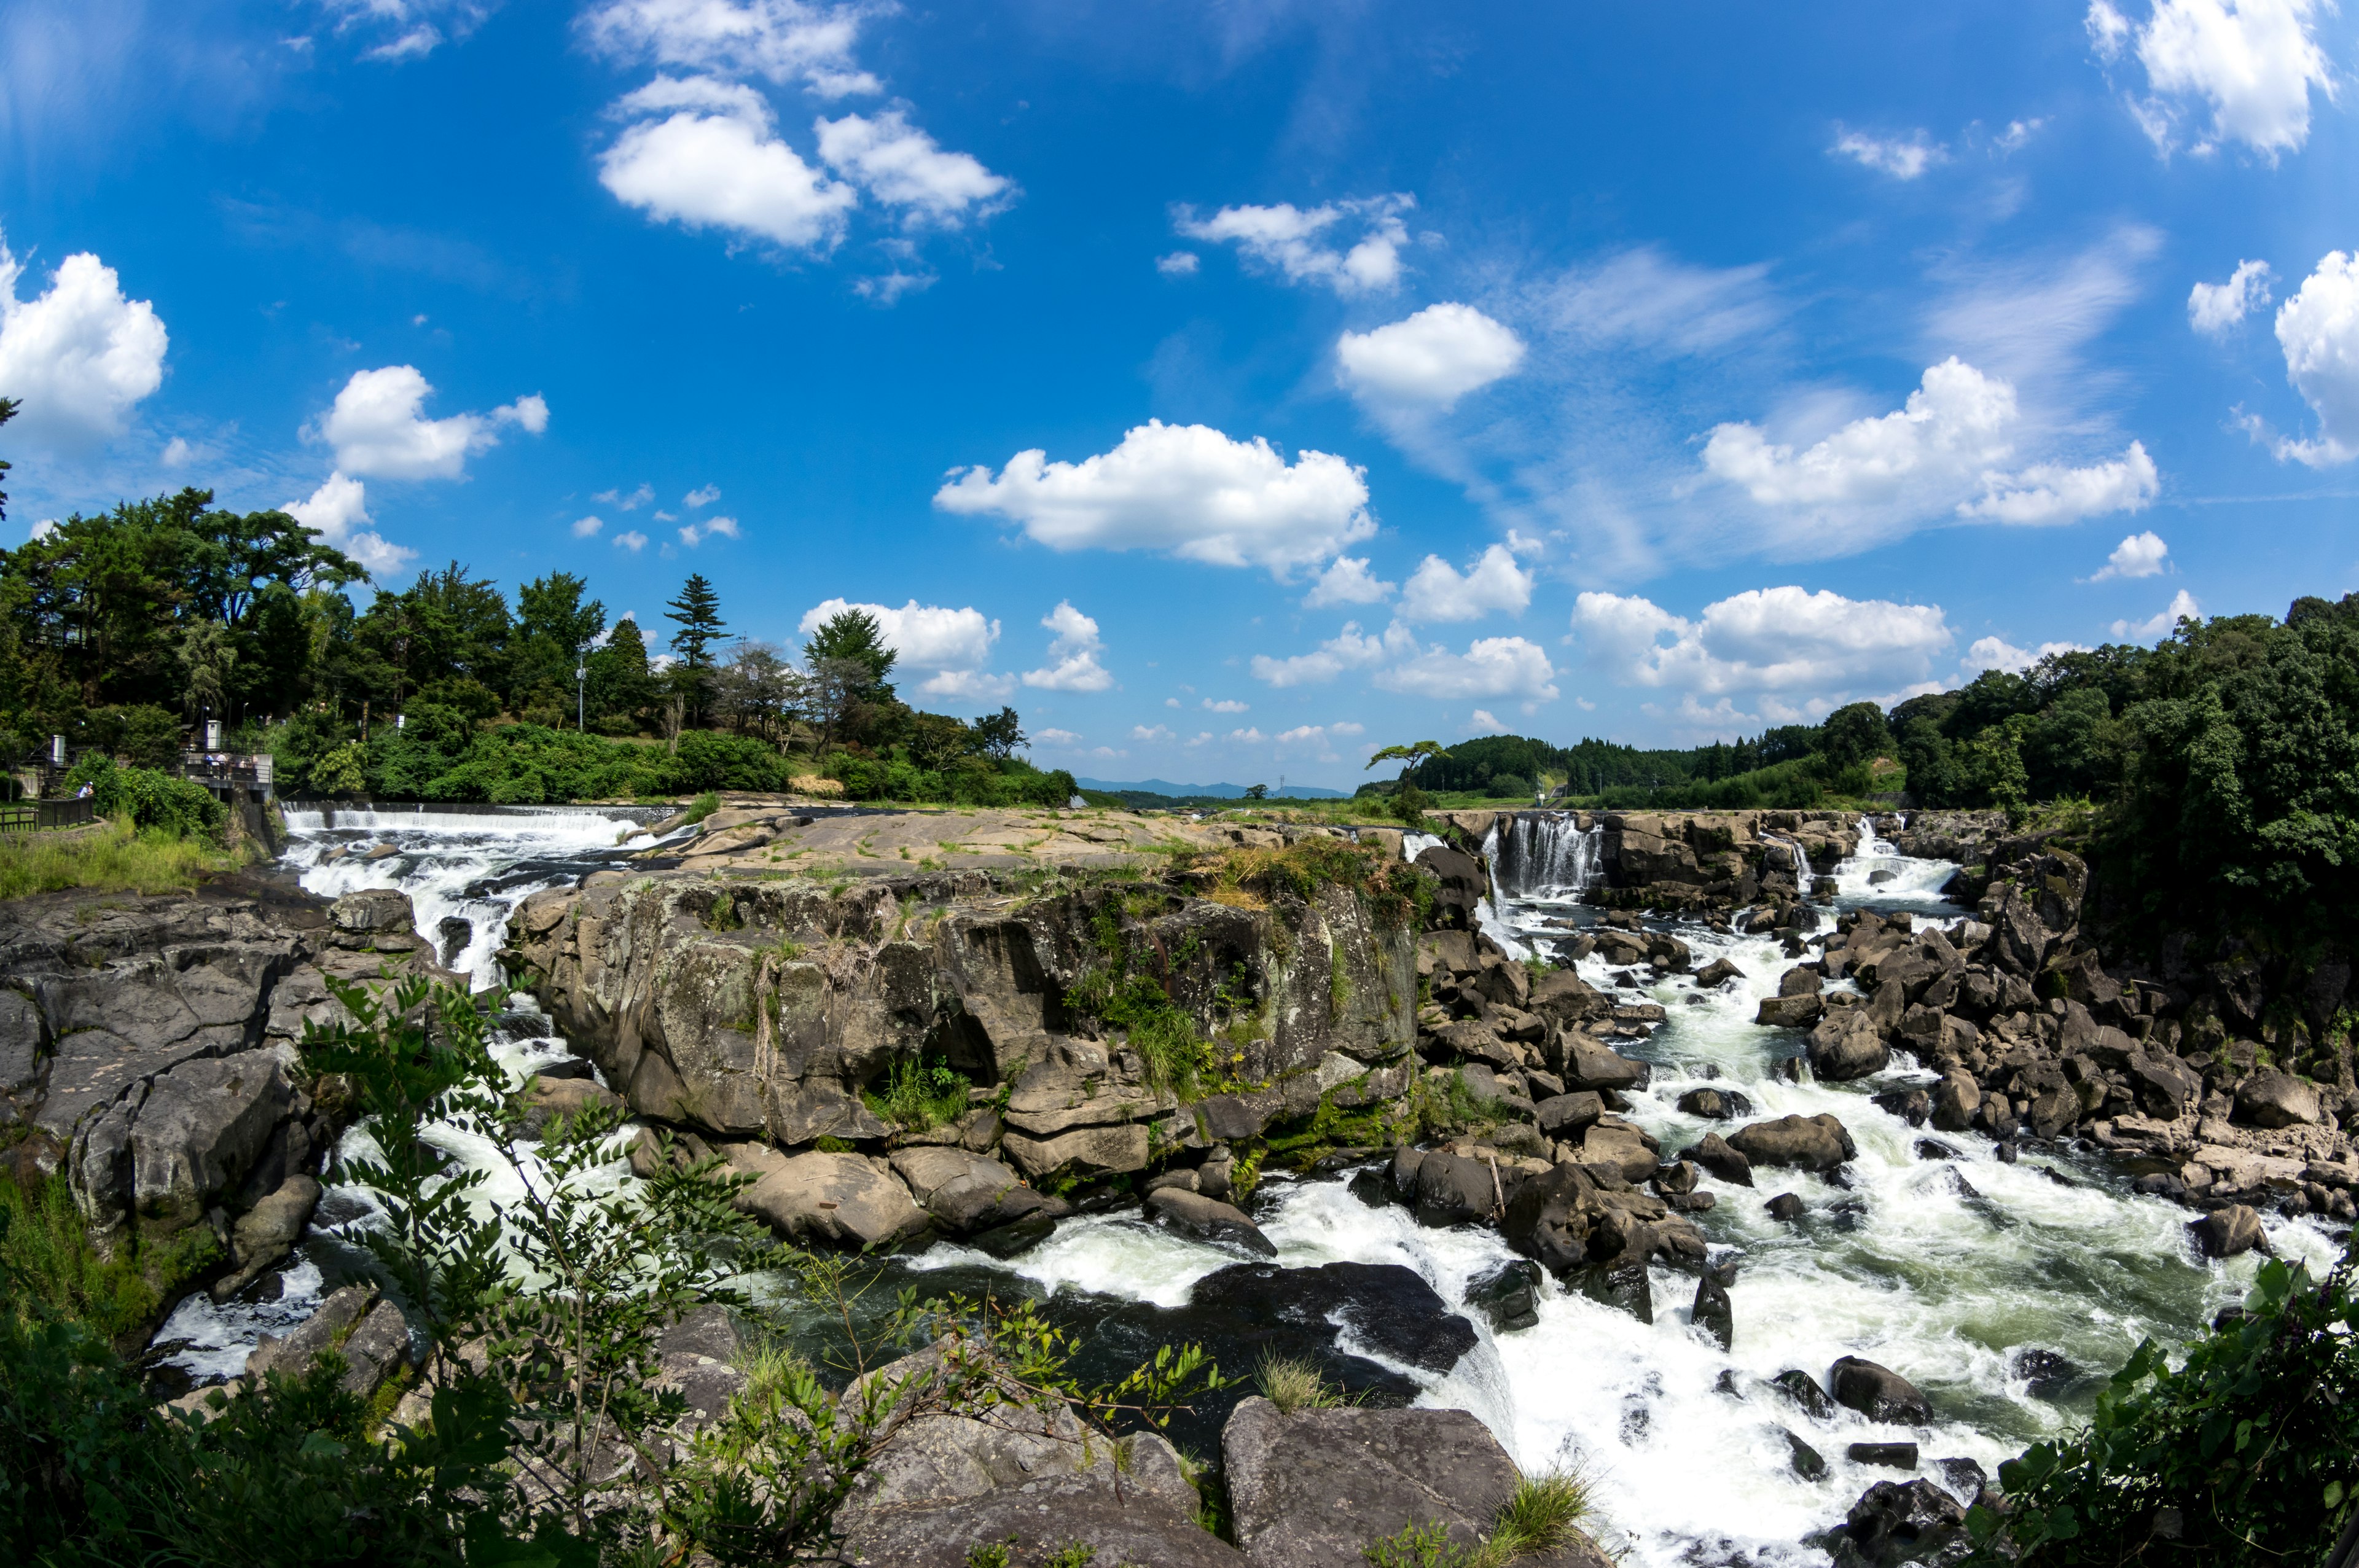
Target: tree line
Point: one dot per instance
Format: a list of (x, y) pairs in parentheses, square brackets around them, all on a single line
[(124, 630)]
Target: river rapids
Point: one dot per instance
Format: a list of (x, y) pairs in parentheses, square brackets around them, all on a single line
[(2006, 1292)]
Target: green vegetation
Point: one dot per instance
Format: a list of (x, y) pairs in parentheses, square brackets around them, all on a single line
[(569, 1288), (919, 1098), (121, 632), (1293, 1383), (1541, 1516), (46, 1251), (2240, 1457), (114, 858)]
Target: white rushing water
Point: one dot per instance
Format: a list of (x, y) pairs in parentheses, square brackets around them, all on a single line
[(1895, 1261)]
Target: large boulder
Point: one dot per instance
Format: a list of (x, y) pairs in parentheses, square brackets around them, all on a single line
[(966, 1191), (1561, 1115), (1591, 1065), (1317, 1488), (1461, 883), (172, 1148), (2276, 1099), (550, 1100), (1801, 1142), (2229, 1232), (369, 1333), (1847, 1047), (1576, 1216), (1454, 1190), (842, 1199), (1715, 1154), (1715, 1104), (1897, 1523), (264, 1233), (1206, 1220), (1035, 1478), (1878, 1393)]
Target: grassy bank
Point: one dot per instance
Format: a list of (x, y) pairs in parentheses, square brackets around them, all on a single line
[(116, 858)]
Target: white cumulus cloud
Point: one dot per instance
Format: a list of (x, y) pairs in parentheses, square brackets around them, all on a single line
[(1874, 476), (1483, 720), (631, 539), (338, 510), (779, 39), (1226, 705), (1055, 737), (2140, 554), (1187, 490), (703, 495), (1074, 655), (1997, 654), (2182, 607), (2251, 62), (903, 166), (1158, 733), (1349, 649), (1436, 590), (2214, 308), (1491, 666), (1901, 157), (950, 646), (1433, 358), (1783, 641), (588, 527), (1179, 263), (378, 426), (1304, 245), (694, 534), (79, 355), (705, 153), (2318, 331), (1347, 580)]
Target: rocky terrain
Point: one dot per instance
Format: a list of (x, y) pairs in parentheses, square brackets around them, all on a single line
[(146, 1048), (1142, 1014)]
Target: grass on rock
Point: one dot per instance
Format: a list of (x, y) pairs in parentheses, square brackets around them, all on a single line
[(115, 858)]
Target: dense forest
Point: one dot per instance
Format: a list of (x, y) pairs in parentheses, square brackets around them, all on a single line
[(127, 631)]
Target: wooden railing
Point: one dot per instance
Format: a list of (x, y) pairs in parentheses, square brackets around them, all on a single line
[(32, 816)]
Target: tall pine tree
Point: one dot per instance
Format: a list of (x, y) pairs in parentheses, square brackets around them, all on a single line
[(698, 611)]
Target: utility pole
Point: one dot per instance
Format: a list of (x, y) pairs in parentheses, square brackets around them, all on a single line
[(580, 687)]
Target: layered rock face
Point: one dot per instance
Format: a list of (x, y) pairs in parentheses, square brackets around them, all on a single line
[(148, 1048), (761, 1011)]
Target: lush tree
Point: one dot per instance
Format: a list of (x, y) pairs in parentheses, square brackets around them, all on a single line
[(698, 611), (855, 635), (999, 735), (1854, 734), (622, 689), (755, 690), (554, 628)]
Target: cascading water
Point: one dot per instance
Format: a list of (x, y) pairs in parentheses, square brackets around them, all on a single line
[(1878, 874), (1941, 1265), (1544, 855)]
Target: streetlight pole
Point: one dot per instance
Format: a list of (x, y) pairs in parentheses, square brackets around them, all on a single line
[(581, 688)]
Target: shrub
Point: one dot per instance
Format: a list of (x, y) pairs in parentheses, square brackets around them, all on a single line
[(920, 1096), (148, 798), (712, 759), (2242, 1456)]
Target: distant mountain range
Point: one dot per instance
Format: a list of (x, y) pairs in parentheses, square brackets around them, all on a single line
[(1217, 791)]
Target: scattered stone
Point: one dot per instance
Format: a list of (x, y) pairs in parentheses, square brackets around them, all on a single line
[(1717, 973), (1878, 1393), (1722, 1160), (1507, 1296), (1898, 1456), (840, 1198), (1715, 1105), (1847, 1047), (1912, 1105), (2229, 1232), (1714, 1312), (1934, 1149), (1786, 1206), (1804, 1391), (1807, 1461), (2045, 1373), (546, 1099)]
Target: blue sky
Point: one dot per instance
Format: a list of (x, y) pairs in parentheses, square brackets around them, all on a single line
[(1232, 388)]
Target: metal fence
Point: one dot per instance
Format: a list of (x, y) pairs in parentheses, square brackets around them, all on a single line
[(32, 816)]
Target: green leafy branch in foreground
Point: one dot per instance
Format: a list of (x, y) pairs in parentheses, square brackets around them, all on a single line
[(2242, 1456), (550, 1439)]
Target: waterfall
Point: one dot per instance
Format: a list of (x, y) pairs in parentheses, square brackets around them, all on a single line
[(1544, 855), (1878, 872)]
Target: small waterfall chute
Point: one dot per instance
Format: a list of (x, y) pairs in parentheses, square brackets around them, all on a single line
[(1544, 855)]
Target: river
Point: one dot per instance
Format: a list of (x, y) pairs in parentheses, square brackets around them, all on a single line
[(1959, 1285)]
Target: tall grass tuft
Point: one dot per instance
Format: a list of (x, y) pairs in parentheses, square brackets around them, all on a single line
[(116, 858), (1292, 1383), (1541, 1515)]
